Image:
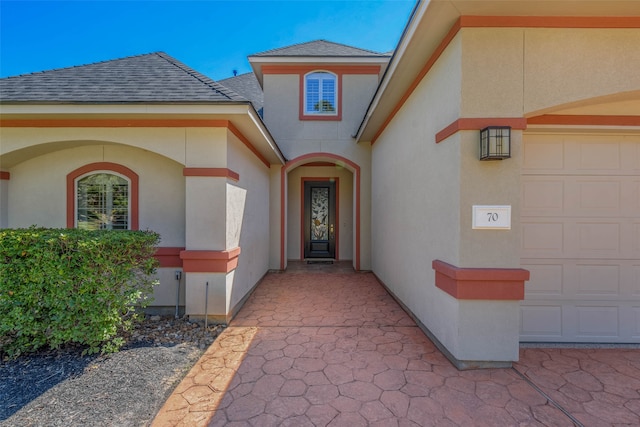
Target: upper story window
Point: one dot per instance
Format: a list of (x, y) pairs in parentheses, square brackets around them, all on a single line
[(102, 202), (321, 93)]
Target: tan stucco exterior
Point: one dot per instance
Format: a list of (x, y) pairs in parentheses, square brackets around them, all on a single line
[(424, 186), (404, 149)]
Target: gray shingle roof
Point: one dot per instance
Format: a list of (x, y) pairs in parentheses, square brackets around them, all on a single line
[(320, 48), (247, 86), (150, 78)]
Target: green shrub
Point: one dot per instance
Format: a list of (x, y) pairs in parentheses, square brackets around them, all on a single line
[(65, 286)]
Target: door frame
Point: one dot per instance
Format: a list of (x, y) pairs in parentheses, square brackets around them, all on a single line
[(302, 213)]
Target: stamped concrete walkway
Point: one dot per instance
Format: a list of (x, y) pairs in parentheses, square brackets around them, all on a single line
[(323, 346)]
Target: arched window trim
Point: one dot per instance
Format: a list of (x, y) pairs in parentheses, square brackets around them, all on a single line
[(312, 115), (103, 167)]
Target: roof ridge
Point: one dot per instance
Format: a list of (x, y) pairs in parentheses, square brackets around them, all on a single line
[(71, 67), (270, 51), (217, 87)]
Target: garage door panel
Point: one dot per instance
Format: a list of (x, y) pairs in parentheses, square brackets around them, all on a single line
[(542, 239), (541, 321), (546, 279), (543, 154), (580, 220), (597, 321), (542, 196), (597, 280), (593, 239)]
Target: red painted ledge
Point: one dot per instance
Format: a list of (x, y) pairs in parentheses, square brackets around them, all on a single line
[(209, 261), (169, 257), (481, 283)]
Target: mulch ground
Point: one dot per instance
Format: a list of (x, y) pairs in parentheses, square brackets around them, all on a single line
[(64, 388)]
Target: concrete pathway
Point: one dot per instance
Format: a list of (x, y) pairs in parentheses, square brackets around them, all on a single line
[(323, 346)]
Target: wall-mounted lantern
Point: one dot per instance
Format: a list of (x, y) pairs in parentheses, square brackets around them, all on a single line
[(495, 143)]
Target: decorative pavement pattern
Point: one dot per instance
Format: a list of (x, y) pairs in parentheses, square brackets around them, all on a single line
[(321, 347)]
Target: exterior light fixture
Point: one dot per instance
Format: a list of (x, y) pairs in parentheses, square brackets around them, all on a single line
[(495, 143)]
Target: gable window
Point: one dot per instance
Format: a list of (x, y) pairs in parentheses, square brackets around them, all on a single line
[(102, 202), (321, 93)]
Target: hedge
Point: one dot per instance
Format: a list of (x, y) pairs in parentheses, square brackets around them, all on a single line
[(70, 286)]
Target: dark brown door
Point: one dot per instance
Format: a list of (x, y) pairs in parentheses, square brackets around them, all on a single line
[(320, 219)]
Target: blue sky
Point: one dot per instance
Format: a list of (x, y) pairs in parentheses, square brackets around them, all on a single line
[(211, 36)]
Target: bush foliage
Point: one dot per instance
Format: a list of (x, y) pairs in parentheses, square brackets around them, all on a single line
[(66, 286)]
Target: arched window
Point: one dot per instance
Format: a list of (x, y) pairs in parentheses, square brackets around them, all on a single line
[(102, 196), (320, 89), (102, 202)]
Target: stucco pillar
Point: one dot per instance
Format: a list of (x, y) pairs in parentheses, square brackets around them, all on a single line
[(207, 262)]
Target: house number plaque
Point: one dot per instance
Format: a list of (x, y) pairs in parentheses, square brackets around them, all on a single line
[(491, 217)]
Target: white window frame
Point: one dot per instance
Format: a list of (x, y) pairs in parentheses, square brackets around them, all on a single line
[(98, 172), (313, 112)]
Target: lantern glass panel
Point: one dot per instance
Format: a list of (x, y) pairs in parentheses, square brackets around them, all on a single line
[(495, 143)]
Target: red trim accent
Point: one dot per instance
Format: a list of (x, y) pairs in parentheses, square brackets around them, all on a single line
[(584, 120), (169, 257), (423, 72), (211, 172), (283, 178), (337, 224), (209, 261), (106, 166), (5, 175), (303, 69), (480, 283), (234, 130), (551, 21), (112, 123), (479, 123), (134, 123), (508, 22)]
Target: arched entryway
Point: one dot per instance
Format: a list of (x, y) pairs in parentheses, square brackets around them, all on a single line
[(342, 179)]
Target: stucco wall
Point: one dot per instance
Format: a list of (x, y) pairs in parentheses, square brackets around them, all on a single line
[(247, 220), (510, 72), (297, 138), (416, 198)]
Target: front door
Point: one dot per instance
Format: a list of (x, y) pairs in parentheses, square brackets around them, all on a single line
[(320, 219)]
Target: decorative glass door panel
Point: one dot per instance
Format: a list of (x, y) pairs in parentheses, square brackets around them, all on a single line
[(319, 219)]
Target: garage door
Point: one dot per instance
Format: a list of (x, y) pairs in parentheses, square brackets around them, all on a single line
[(580, 219)]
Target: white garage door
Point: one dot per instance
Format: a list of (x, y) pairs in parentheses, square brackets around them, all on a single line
[(581, 238)]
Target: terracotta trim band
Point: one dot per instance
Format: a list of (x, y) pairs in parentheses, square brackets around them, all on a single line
[(303, 69), (508, 22), (480, 283), (209, 261), (477, 124), (211, 172), (5, 175), (234, 130), (106, 166), (423, 72), (584, 120), (112, 123), (551, 21), (133, 123), (169, 256)]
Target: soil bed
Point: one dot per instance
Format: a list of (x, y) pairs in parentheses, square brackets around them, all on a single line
[(63, 388)]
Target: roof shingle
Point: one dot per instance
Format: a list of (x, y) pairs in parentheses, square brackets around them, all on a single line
[(154, 77), (321, 48)]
